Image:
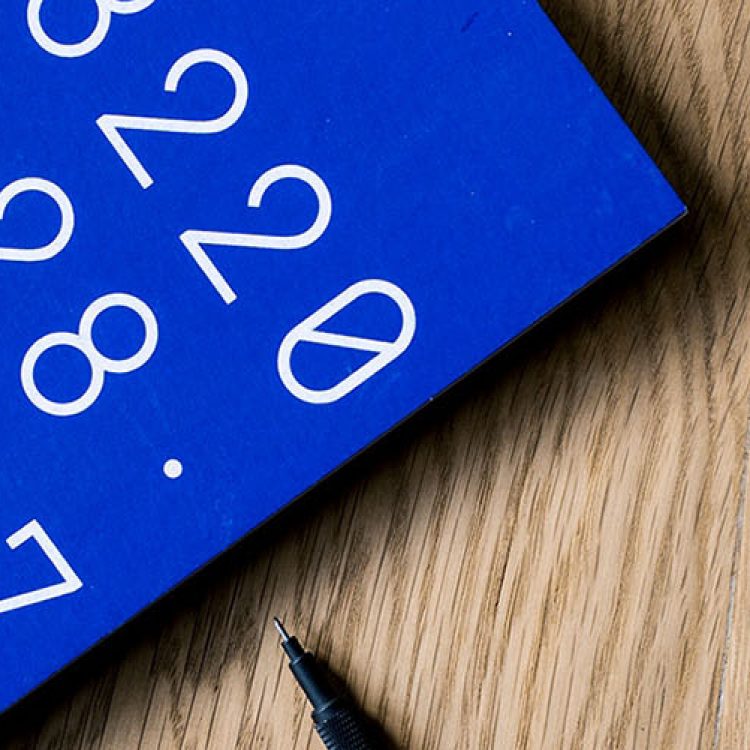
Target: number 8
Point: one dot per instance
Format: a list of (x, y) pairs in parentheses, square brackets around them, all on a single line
[(105, 9), (83, 341)]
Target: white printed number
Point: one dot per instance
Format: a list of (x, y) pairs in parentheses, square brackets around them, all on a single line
[(67, 219), (70, 581), (83, 342), (196, 240), (104, 8), (111, 125), (308, 331)]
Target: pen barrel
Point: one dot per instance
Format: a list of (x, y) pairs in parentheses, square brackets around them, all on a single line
[(314, 681), (337, 722), (341, 728)]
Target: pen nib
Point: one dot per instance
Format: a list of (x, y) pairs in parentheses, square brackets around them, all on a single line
[(282, 630)]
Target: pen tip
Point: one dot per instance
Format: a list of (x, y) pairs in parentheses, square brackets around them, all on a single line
[(282, 630)]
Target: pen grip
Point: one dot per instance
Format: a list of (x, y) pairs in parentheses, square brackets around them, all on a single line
[(341, 728)]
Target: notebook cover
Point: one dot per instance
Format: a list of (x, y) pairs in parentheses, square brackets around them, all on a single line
[(241, 241)]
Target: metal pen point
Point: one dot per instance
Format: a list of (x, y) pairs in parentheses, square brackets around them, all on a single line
[(282, 631)]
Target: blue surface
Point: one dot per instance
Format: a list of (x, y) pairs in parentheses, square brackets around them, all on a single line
[(472, 162)]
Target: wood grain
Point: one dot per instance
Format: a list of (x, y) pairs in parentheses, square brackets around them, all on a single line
[(554, 556)]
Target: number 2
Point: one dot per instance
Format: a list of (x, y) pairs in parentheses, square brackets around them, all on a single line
[(111, 125), (196, 240)]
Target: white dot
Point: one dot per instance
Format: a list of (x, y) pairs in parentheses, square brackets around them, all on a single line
[(173, 469)]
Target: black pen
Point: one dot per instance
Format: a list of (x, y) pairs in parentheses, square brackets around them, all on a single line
[(336, 720)]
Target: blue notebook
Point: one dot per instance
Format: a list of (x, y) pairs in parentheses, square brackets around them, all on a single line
[(239, 242)]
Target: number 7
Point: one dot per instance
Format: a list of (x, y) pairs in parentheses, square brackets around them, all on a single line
[(70, 583)]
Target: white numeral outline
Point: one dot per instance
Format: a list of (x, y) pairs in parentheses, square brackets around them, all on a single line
[(67, 219), (100, 365), (111, 125), (308, 331), (105, 9), (70, 580), (196, 240)]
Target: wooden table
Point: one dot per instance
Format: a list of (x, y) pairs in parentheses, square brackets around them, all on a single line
[(556, 555)]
